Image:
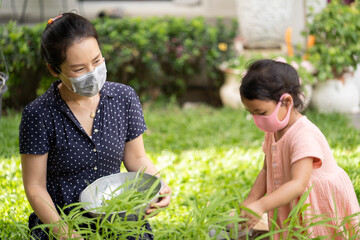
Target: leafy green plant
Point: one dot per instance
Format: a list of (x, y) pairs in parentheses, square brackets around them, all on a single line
[(110, 224), (132, 196), (337, 31)]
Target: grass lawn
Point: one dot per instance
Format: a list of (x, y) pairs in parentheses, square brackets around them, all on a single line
[(207, 156)]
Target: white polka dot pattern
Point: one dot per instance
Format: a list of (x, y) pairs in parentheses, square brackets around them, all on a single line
[(76, 160)]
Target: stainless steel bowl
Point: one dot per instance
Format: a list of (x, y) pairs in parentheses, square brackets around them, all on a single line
[(96, 194)]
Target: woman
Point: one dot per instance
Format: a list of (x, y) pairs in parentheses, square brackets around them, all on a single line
[(81, 129)]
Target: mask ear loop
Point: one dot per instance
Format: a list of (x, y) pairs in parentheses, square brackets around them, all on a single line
[(291, 105), (285, 95), (70, 88)]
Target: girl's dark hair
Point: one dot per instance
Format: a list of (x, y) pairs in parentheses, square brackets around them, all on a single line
[(268, 79), (60, 34)]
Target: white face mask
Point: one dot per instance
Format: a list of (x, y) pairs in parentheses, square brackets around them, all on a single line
[(89, 84)]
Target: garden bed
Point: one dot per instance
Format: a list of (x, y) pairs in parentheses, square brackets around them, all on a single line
[(210, 157)]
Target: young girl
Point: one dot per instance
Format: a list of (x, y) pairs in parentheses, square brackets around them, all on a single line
[(297, 155), (82, 128)]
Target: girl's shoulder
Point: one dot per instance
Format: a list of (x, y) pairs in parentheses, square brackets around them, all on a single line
[(305, 130), (306, 125)]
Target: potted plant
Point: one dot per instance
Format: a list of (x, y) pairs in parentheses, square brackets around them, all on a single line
[(235, 68), (336, 54)]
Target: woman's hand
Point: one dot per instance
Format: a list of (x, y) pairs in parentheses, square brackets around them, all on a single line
[(163, 202)]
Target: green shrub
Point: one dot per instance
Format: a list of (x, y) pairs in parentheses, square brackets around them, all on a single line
[(21, 49), (154, 55), (337, 30), (164, 54)]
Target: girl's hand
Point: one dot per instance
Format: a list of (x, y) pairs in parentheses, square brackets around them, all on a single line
[(73, 236), (252, 219), (163, 201), (62, 233)]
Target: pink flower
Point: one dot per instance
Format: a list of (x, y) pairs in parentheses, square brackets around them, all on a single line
[(280, 59), (243, 74), (295, 65), (308, 66)]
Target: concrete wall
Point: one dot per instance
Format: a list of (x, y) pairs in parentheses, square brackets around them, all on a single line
[(36, 12)]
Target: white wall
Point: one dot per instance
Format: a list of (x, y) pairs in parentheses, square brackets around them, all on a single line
[(298, 16), (186, 8), (12, 9)]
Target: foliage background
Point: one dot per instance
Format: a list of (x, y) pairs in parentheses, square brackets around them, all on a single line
[(156, 56)]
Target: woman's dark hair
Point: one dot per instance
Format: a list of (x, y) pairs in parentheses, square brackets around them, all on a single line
[(268, 79), (60, 34)]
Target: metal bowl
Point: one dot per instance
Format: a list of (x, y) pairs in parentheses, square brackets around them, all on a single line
[(97, 193)]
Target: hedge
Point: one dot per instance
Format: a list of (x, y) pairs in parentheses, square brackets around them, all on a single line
[(156, 56)]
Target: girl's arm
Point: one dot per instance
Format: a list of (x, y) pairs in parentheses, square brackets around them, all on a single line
[(259, 188), (300, 175), (257, 191), (135, 159), (34, 180)]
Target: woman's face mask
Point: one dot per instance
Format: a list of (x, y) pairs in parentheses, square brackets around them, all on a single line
[(89, 84), (271, 123)]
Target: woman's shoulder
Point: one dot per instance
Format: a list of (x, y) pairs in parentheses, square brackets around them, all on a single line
[(118, 88), (39, 103), (43, 102), (120, 91)]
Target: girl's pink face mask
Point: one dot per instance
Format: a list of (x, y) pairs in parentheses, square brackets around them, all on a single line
[(271, 123)]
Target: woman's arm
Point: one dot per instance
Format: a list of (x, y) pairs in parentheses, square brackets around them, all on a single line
[(34, 180), (300, 175), (259, 188), (135, 159)]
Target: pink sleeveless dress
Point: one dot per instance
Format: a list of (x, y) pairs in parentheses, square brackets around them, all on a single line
[(332, 192)]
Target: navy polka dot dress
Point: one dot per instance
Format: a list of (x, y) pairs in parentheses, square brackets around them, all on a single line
[(75, 159)]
